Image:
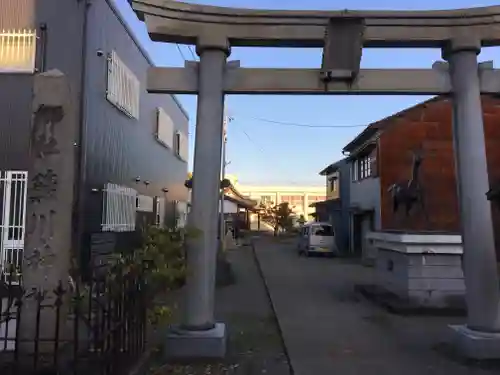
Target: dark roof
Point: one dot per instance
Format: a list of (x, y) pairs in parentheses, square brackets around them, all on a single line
[(374, 127), (241, 203), (332, 167), (239, 198)]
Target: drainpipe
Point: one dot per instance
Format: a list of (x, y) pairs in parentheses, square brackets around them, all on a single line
[(222, 233), (81, 157)]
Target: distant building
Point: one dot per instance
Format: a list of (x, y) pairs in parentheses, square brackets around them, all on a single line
[(335, 209), (299, 197)]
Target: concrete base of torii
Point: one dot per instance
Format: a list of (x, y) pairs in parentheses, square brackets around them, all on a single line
[(184, 344), (475, 344)]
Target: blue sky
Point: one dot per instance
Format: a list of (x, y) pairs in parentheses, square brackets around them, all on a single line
[(265, 153)]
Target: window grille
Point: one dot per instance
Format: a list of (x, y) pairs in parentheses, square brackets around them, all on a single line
[(181, 146), (119, 208), (17, 51), (159, 211), (13, 194), (181, 213), (165, 128), (124, 88)]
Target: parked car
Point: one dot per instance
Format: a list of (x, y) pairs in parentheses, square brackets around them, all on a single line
[(317, 237)]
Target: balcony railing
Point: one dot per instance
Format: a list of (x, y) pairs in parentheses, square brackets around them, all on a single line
[(17, 51)]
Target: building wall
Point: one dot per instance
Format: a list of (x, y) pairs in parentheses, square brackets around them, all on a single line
[(17, 14), (365, 195), (431, 129), (115, 148), (15, 91), (333, 190), (120, 148), (15, 110), (344, 187)]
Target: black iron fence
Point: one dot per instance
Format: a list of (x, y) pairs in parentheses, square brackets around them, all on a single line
[(75, 328)]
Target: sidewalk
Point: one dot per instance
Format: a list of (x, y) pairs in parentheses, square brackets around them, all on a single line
[(328, 329), (255, 346)]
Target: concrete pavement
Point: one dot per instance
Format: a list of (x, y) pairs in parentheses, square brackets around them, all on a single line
[(328, 329)]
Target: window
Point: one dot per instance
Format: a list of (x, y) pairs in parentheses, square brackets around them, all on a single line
[(159, 211), (333, 183), (181, 146), (123, 89), (285, 199), (361, 168), (164, 128), (119, 209), (181, 211), (323, 230), (17, 51), (266, 199)]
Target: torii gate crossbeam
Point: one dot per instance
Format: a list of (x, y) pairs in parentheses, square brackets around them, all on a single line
[(460, 34)]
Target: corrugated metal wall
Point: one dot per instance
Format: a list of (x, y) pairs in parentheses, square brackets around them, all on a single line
[(17, 14)]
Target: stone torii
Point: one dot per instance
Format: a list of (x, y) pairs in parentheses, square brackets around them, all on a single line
[(460, 34)]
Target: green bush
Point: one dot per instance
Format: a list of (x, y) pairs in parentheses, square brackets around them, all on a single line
[(161, 264)]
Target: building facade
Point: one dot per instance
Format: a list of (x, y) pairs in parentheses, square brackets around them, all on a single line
[(299, 197), (132, 146), (384, 155), (335, 209)]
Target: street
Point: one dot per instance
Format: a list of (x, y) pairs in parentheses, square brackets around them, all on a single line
[(328, 329)]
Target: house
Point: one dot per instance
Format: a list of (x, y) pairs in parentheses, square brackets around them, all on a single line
[(132, 147), (364, 194), (335, 208), (237, 205), (385, 154)]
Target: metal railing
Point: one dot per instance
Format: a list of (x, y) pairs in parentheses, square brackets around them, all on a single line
[(13, 194), (17, 51), (119, 208), (98, 328)]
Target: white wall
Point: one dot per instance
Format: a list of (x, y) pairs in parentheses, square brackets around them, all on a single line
[(229, 207)]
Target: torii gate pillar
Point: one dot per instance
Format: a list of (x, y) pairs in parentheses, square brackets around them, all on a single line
[(480, 338), (199, 336)]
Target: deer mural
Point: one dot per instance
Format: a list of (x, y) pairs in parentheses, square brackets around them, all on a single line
[(409, 193)]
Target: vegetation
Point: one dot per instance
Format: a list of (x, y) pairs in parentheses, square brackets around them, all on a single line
[(161, 261), (279, 216)]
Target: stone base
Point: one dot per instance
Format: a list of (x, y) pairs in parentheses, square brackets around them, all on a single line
[(475, 344), (182, 344), (406, 306), (423, 268)]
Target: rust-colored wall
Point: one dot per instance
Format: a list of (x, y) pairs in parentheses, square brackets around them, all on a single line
[(430, 127)]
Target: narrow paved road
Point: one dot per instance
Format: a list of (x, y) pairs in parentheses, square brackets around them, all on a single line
[(329, 330)]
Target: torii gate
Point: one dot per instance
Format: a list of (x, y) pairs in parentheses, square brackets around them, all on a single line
[(460, 34)]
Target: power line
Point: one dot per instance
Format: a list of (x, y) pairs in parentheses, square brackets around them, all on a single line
[(193, 55), (180, 51), (252, 141), (301, 124)]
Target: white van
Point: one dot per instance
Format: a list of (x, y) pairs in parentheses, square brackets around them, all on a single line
[(317, 237)]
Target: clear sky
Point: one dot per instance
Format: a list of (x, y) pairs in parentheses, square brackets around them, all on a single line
[(263, 152)]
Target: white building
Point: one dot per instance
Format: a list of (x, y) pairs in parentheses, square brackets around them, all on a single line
[(298, 197)]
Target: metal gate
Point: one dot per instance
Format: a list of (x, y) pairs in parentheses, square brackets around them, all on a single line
[(13, 194)]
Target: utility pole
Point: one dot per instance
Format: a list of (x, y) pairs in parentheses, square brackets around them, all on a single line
[(223, 176)]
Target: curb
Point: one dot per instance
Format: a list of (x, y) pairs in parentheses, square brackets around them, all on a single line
[(273, 309)]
